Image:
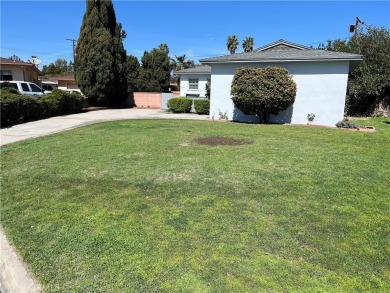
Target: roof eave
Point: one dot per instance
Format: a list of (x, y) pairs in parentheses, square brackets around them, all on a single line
[(277, 60), (190, 73)]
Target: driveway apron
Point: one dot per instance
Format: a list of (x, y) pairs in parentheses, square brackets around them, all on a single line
[(57, 124)]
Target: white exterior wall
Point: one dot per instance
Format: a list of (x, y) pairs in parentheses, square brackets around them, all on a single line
[(321, 90), (17, 73), (184, 84), (21, 73)]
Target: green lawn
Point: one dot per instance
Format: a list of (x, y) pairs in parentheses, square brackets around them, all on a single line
[(140, 206)]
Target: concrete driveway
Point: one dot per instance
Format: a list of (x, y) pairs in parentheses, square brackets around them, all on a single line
[(56, 124)]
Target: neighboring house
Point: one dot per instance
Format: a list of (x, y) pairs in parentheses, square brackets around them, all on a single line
[(193, 81), (18, 70), (66, 83), (321, 77)]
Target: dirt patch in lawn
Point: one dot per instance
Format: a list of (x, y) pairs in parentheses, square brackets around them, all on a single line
[(219, 140)]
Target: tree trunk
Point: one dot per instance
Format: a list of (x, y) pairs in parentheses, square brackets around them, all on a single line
[(264, 116)]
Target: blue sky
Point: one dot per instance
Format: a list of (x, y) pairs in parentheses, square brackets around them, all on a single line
[(198, 29)]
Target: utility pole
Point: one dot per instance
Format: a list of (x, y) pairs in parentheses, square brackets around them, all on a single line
[(354, 28), (74, 46)]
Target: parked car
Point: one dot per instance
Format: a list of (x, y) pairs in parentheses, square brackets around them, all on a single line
[(24, 87), (49, 86)]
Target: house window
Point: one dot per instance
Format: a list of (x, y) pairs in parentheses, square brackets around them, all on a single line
[(193, 83), (6, 74)]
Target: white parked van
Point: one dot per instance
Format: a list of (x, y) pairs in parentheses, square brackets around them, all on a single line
[(24, 87)]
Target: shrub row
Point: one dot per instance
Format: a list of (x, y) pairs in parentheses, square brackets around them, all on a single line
[(17, 108), (183, 105)]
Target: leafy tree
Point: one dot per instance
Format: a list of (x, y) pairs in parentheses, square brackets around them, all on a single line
[(369, 83), (154, 74), (100, 63), (164, 47), (70, 67), (132, 68), (208, 89), (58, 67), (232, 44), (180, 62), (248, 44), (263, 91)]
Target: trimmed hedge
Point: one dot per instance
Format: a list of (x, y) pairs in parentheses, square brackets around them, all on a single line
[(61, 103), (17, 108), (202, 106), (180, 105)]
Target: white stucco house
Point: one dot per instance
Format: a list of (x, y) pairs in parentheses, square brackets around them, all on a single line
[(321, 77), (193, 81)]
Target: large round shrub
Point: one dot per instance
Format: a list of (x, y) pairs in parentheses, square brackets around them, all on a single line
[(180, 105), (263, 91)]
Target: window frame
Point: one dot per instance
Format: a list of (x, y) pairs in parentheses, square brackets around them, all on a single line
[(193, 84), (7, 73)]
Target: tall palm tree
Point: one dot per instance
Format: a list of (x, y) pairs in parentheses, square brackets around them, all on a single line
[(180, 62), (232, 44), (248, 44)]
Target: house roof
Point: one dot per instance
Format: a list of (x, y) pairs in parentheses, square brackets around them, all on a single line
[(7, 61), (282, 44), (67, 78), (283, 51), (200, 69)]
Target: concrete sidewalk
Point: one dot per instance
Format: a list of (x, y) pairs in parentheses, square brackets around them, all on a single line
[(14, 276), (56, 124)]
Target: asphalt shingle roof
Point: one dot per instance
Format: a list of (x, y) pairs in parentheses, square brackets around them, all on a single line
[(287, 54), (200, 69), (7, 61), (282, 42), (270, 56)]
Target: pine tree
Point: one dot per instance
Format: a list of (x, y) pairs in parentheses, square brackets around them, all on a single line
[(100, 62), (155, 71), (133, 66)]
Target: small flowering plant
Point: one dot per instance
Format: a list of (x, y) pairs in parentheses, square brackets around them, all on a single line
[(310, 118)]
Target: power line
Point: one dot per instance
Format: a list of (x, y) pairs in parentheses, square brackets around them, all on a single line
[(73, 45)]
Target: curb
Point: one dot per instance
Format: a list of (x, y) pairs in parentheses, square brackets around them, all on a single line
[(14, 276)]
